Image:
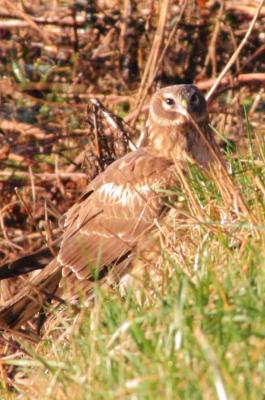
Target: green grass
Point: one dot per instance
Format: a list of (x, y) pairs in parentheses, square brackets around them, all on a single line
[(194, 342), (198, 333)]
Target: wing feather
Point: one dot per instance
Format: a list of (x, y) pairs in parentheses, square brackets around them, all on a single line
[(101, 230), (120, 208)]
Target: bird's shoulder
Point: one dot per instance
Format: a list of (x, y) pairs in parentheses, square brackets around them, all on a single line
[(139, 169), (137, 165)]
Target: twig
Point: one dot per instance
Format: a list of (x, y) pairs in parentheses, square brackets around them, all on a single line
[(242, 79), (211, 56), (31, 23), (45, 175), (236, 53), (254, 55), (150, 67)]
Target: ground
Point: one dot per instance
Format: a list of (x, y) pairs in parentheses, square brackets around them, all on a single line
[(196, 332)]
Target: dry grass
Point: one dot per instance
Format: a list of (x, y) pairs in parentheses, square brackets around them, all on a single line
[(198, 331)]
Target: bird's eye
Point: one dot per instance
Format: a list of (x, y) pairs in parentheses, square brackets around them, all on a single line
[(169, 101)]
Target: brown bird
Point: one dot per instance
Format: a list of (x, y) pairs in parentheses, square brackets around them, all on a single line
[(119, 207)]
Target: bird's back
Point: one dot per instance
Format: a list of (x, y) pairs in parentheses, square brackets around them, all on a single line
[(117, 209)]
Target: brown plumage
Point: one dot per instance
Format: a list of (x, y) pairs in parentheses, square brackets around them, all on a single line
[(120, 205)]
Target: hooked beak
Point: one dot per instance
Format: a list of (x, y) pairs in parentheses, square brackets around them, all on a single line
[(182, 108)]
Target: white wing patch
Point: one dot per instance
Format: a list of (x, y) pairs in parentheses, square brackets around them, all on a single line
[(122, 194)]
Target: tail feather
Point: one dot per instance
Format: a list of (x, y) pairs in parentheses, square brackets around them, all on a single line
[(30, 262), (32, 298)]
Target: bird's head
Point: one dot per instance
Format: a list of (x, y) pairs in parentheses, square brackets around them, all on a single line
[(174, 113), (176, 105)]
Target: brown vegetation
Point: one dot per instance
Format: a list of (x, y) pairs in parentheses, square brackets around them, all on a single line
[(55, 57)]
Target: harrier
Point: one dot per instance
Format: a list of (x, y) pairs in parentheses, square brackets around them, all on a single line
[(119, 207)]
